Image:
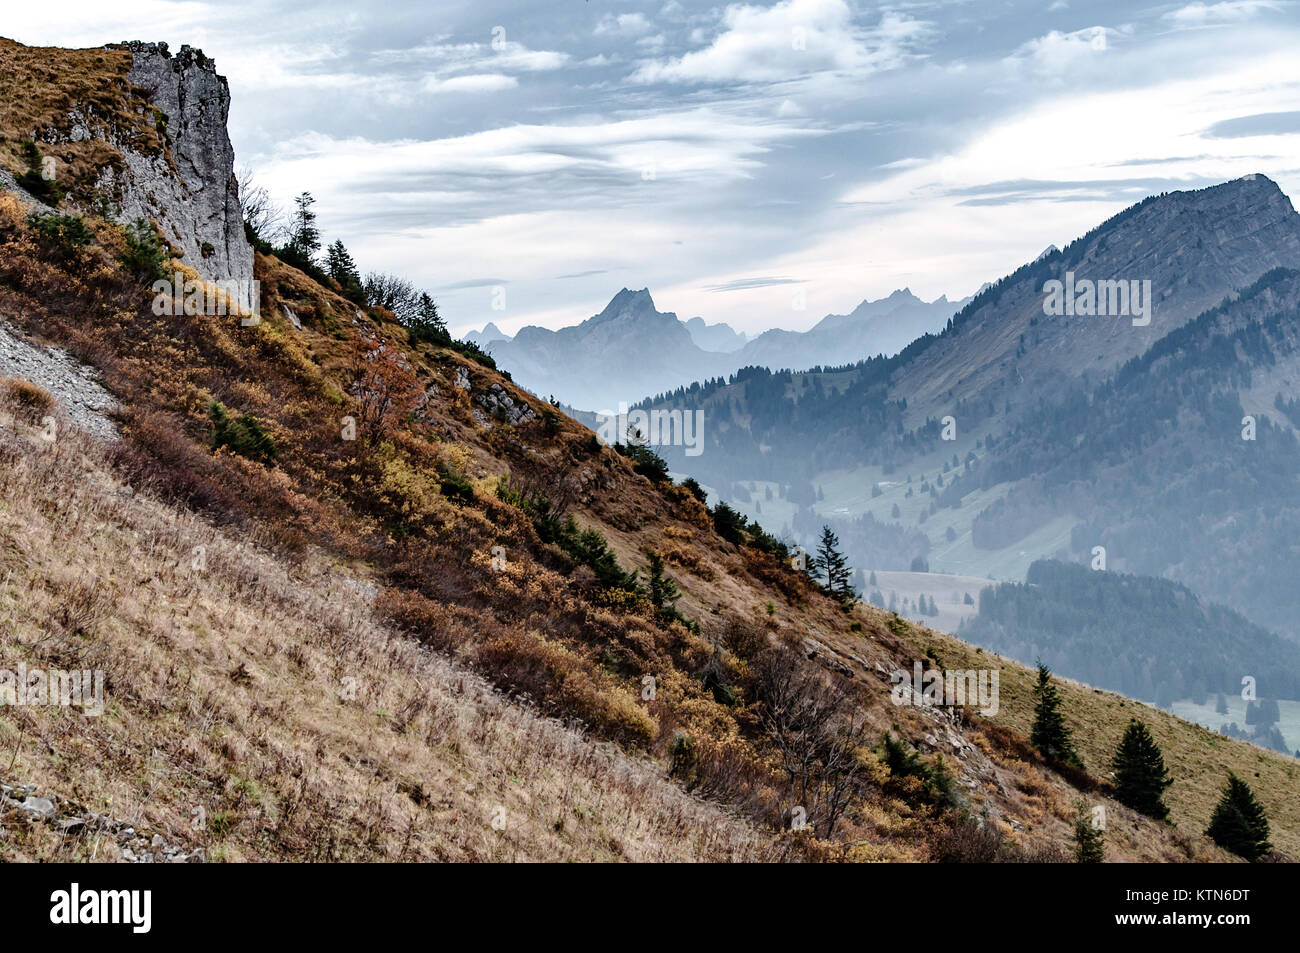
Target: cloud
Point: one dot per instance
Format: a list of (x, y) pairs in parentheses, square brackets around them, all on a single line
[(1231, 11), (508, 56), (1057, 52), (1261, 124), (473, 83), (625, 24), (791, 39), (745, 284)]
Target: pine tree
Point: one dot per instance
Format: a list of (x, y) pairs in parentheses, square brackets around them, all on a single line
[(304, 236), (664, 592), (1239, 823), (1140, 775), (831, 564), (1050, 734), (340, 266), (427, 324), (1089, 841)]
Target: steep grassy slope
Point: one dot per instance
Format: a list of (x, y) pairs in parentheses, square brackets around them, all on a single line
[(417, 515), (258, 709)]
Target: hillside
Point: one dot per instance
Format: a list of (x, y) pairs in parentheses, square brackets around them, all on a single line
[(1064, 433), (353, 593), (1150, 639)]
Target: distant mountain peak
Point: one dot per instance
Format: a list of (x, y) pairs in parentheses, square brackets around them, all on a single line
[(628, 302)]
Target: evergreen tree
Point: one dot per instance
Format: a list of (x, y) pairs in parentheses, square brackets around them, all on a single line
[(1089, 841), (426, 323), (1221, 706), (1140, 776), (664, 592), (1050, 734), (304, 236), (1239, 823), (340, 266), (831, 564)]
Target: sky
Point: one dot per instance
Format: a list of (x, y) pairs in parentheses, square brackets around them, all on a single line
[(762, 163)]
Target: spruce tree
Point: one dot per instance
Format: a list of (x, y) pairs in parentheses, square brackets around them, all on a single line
[(664, 592), (427, 324), (1239, 823), (830, 562), (304, 236), (1050, 734), (1089, 841), (340, 266), (1140, 776)]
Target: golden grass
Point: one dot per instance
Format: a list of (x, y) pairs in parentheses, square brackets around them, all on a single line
[(228, 689), (45, 91), (1198, 759)]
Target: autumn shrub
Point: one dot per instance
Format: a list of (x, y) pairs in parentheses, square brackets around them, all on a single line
[(65, 234), (29, 401), (144, 254), (242, 434)]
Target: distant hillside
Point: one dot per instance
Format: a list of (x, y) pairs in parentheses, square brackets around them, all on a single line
[(1147, 638), (1066, 432)]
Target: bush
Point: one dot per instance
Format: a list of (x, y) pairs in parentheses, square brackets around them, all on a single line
[(244, 434), (66, 233), (144, 255), (41, 188)]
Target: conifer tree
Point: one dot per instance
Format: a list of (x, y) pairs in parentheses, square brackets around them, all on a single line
[(340, 266), (1140, 775), (1089, 841), (304, 236), (664, 592), (1239, 823), (1050, 734), (831, 564)]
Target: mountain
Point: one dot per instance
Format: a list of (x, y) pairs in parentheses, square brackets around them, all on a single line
[(489, 335), (357, 596), (631, 350), (884, 327), (619, 355), (715, 337), (1014, 435)]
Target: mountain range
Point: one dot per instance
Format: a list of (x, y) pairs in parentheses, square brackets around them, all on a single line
[(631, 350), (1014, 435)]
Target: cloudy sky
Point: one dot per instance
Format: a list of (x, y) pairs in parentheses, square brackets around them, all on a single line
[(740, 160)]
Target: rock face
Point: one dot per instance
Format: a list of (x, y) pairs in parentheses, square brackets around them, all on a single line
[(190, 190)]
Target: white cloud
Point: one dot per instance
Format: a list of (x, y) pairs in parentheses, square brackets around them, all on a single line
[(1229, 11), (1057, 52), (791, 39), (625, 24), (471, 83)]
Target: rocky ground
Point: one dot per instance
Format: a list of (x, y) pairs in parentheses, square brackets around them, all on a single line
[(21, 805)]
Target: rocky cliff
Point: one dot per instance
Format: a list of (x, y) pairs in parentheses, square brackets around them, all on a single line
[(131, 131), (190, 190)]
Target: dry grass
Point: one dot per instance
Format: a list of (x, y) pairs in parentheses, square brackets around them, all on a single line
[(229, 689), (45, 92), (1197, 758)]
